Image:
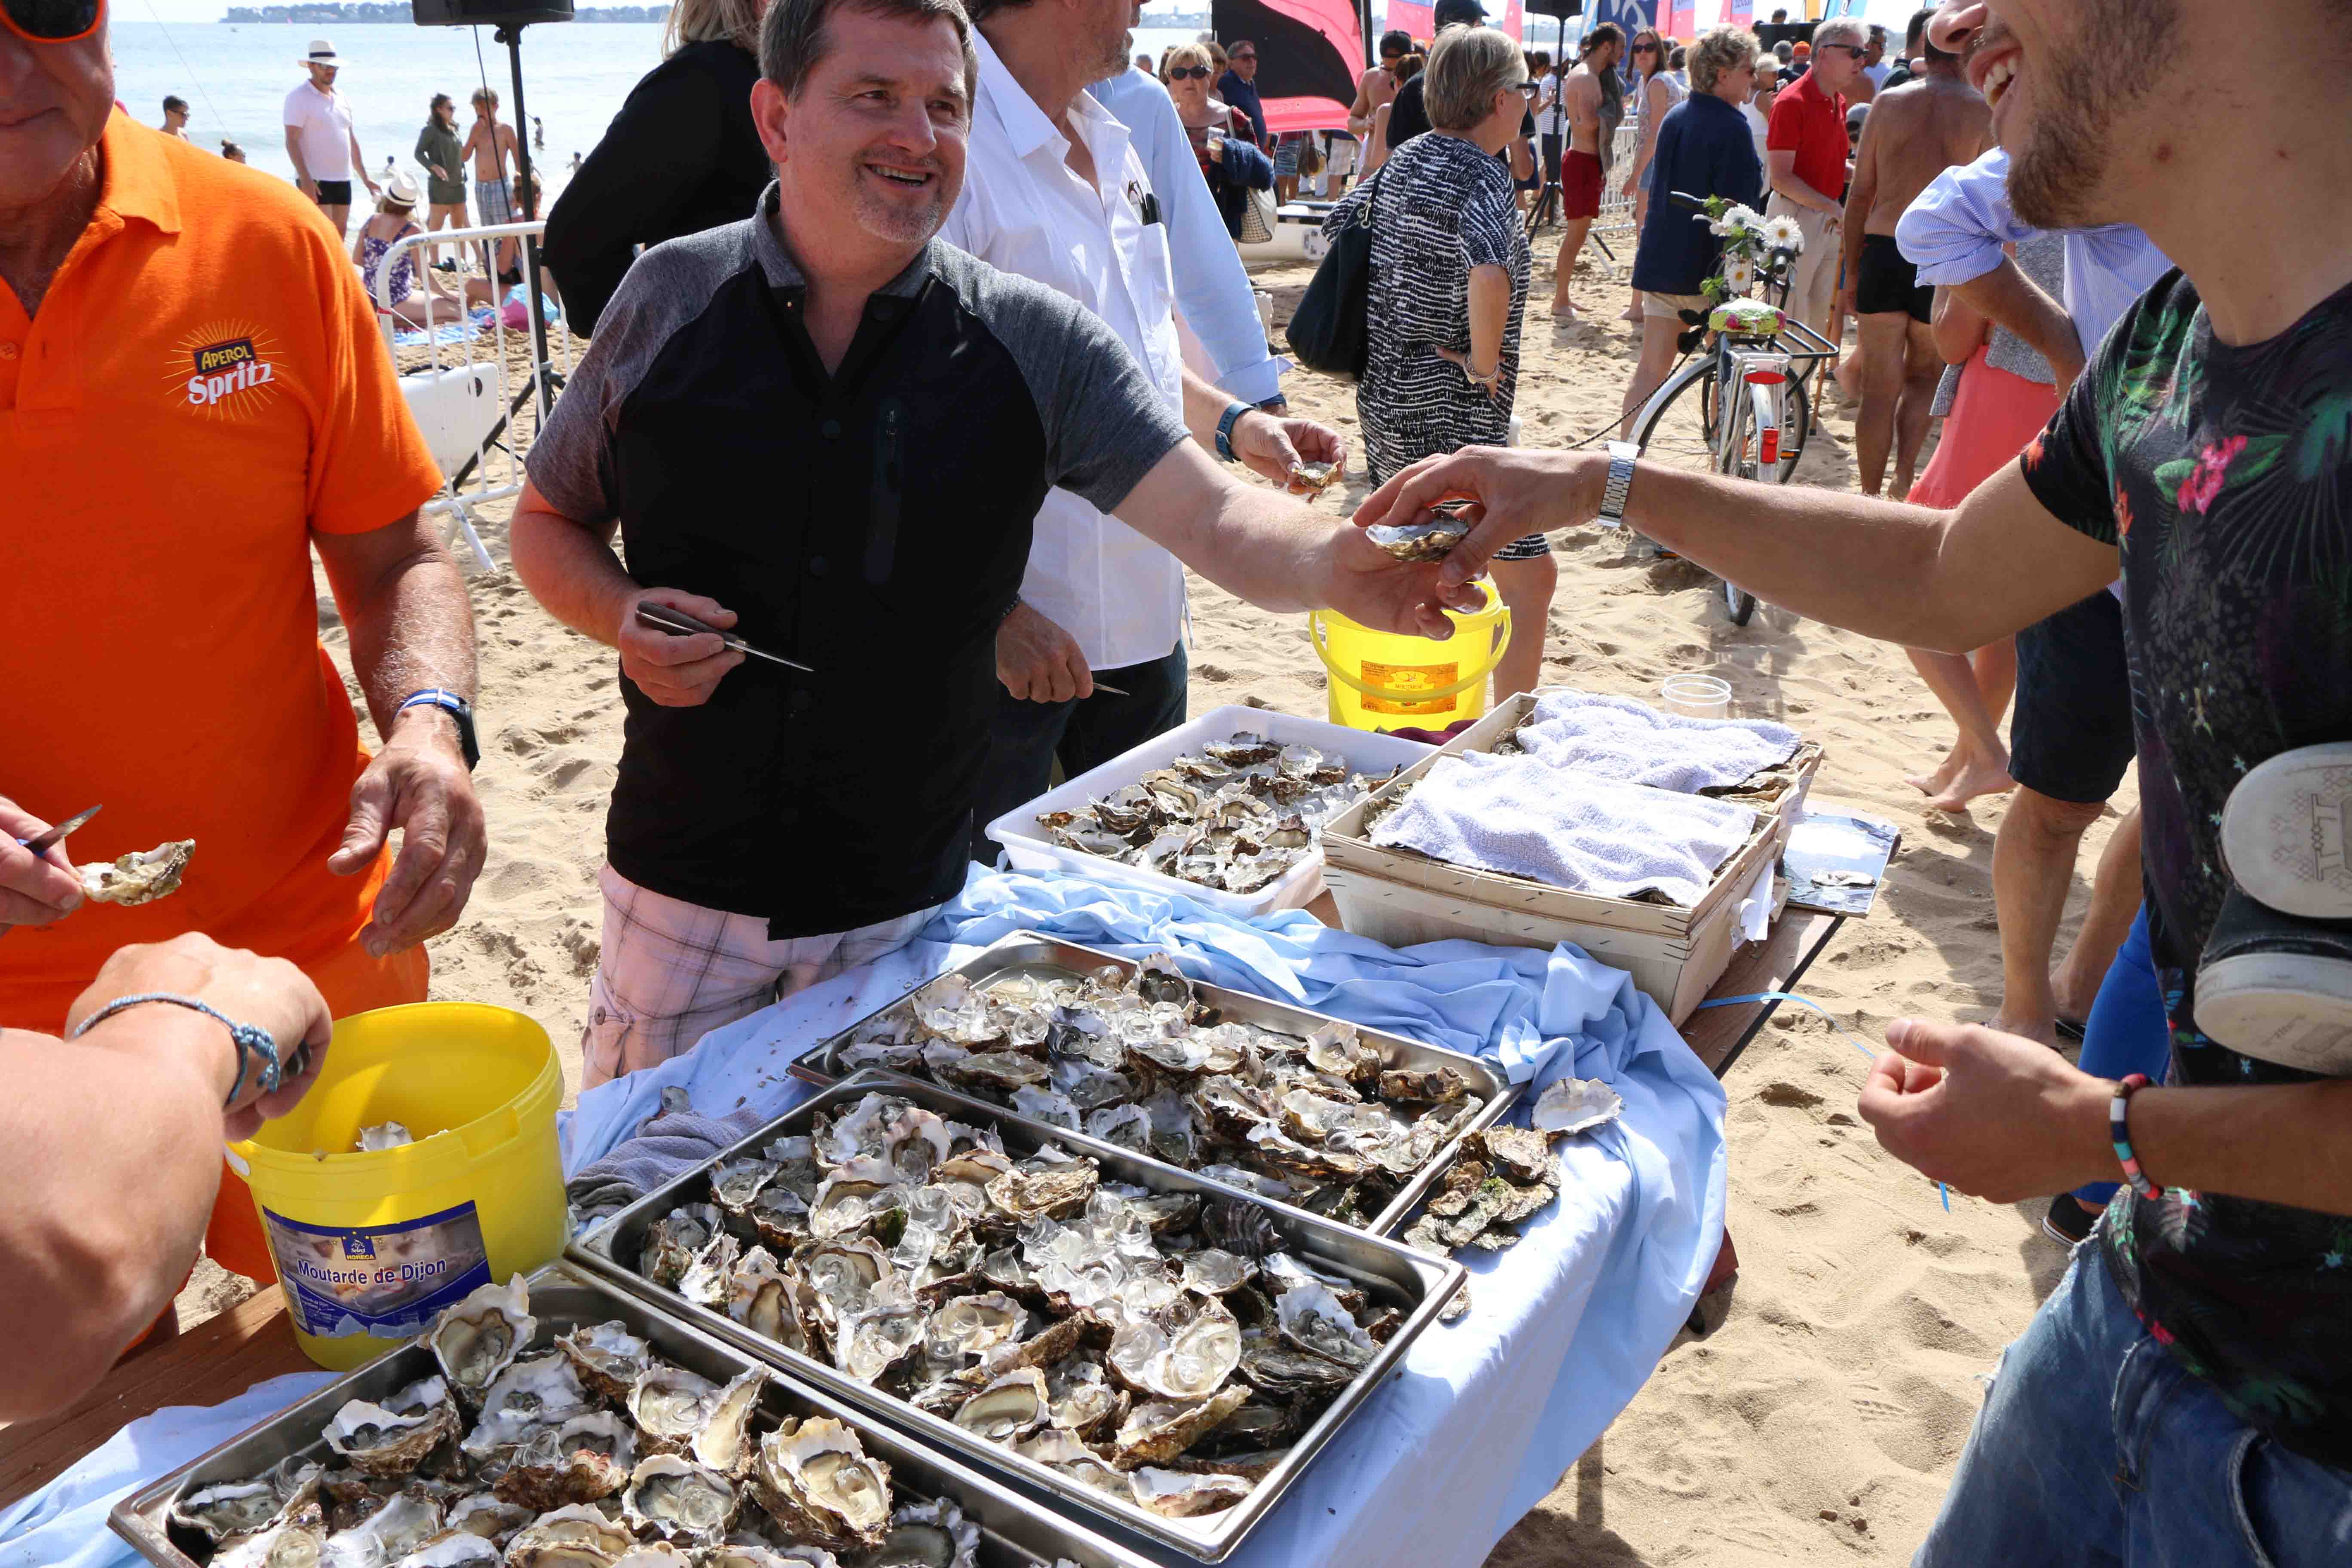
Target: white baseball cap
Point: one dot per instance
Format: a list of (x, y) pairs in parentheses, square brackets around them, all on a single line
[(322, 53)]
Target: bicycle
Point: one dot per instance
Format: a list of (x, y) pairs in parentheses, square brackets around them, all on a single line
[(1758, 350)]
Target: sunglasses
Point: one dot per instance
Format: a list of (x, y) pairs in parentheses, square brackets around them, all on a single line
[(1857, 50), (1181, 73), (1645, 48), (1241, 57), (52, 21), (1528, 89)]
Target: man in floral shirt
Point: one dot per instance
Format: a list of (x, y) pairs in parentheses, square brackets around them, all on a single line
[(2185, 1396)]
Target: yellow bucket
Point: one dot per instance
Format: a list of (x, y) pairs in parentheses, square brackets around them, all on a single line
[(369, 1247), (1381, 680)]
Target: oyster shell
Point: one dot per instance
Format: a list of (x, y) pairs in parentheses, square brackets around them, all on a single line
[(884, 1332), (1158, 1431), (393, 1438), (1519, 1154), (742, 1551), (537, 1391), (853, 1195), (932, 1534), (1012, 1407), (477, 1340), (1172, 1494), (576, 1537), (678, 1499), (706, 1278), (660, 1554), (583, 1460), (1060, 1450), (1311, 478), (973, 1325), (724, 1441), (381, 1136), (453, 1549), (295, 1540), (1054, 1192), (1430, 541), (140, 878), (227, 1510), (673, 1241), (607, 1357), (1313, 1318), (1423, 1086), (402, 1525), (816, 1480), (735, 1182), (671, 1405), (1575, 1105), (490, 1517)]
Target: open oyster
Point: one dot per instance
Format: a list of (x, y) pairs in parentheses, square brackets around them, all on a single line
[(387, 1535), (1157, 1432), (381, 1136), (480, 1338), (454, 1549), (139, 878), (1058, 1449), (1311, 478), (817, 1481), (608, 1358), (1012, 1407), (393, 1438), (673, 1241), (537, 1391), (678, 1499), (932, 1534), (576, 1537), (1175, 1495), (1313, 1318), (298, 1537), (1430, 541), (723, 1442), (583, 1460), (670, 1405), (1575, 1105)]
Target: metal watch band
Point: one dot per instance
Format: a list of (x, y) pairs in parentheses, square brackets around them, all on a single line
[(1622, 456)]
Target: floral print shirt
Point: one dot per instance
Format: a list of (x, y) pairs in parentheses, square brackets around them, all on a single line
[(2224, 474)]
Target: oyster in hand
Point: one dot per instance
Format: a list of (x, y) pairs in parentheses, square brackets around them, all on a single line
[(1430, 541), (1311, 478), (139, 878)]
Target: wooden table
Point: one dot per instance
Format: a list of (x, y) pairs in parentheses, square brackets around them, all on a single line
[(221, 1358)]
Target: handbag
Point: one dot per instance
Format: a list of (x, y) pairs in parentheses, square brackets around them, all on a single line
[(1258, 218), (1310, 156), (1329, 330)]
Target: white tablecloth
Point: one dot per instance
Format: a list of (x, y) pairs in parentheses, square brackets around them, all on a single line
[(1483, 1416)]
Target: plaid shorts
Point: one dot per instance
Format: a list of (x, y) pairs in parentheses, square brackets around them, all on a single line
[(493, 201), (671, 971)]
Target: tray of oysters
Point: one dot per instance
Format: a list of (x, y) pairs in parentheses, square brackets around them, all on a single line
[(561, 1423), (1125, 1336), (1353, 1125)]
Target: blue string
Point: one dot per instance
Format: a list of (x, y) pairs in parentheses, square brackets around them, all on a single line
[(1944, 1192)]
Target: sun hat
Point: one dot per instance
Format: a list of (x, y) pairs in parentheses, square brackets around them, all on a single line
[(322, 53), (401, 190)]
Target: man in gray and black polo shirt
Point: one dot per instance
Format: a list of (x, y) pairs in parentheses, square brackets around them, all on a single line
[(828, 432)]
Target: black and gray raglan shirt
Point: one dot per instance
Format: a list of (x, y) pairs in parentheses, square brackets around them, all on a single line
[(873, 523)]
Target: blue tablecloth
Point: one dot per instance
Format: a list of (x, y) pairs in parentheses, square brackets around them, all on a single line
[(1484, 1415)]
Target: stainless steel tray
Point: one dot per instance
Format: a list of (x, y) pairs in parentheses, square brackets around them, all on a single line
[(1029, 954), (1015, 1531), (1416, 1284)]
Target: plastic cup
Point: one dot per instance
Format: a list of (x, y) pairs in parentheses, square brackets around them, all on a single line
[(1696, 696)]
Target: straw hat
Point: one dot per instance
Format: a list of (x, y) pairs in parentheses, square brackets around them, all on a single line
[(322, 53), (401, 191)]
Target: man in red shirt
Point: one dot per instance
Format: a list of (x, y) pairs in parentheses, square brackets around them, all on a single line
[(1805, 151)]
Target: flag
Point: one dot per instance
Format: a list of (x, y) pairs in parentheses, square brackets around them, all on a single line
[(1681, 19)]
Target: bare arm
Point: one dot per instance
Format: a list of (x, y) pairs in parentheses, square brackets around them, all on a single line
[(412, 627), (1958, 327), (359, 164), (1653, 112), (1490, 313), (1860, 194), (114, 1155), (1268, 443), (1359, 113), (1784, 177), (2008, 298), (301, 170), (1951, 581)]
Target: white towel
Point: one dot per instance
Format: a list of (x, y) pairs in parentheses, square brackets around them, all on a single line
[(1631, 741), (1523, 816)]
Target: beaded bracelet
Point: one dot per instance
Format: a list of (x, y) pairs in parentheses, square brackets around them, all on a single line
[(2118, 1128), (251, 1040)]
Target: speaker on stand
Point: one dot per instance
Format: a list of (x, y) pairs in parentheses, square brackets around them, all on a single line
[(509, 19), (1547, 203)]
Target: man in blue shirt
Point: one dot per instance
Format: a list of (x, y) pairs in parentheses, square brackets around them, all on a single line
[(1237, 88)]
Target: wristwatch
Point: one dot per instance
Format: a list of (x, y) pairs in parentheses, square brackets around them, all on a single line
[(1233, 416), (1622, 457), (458, 708)]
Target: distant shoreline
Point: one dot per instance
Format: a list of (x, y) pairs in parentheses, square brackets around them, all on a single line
[(364, 13)]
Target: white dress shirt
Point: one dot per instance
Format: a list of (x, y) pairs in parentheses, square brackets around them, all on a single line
[(1954, 233), (323, 122), (1214, 294), (1024, 210)]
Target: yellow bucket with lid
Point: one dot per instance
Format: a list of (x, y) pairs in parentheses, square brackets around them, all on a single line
[(1383, 680), (369, 1247)]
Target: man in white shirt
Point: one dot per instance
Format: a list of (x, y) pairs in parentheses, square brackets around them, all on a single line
[(319, 139), (1058, 192)]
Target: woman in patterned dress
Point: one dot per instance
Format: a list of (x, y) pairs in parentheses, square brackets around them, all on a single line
[(1449, 283)]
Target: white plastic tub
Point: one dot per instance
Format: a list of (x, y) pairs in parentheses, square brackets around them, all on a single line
[(1027, 847)]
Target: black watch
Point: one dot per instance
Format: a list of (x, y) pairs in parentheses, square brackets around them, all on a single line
[(458, 708)]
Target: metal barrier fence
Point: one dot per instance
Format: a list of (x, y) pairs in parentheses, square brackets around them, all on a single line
[(1617, 194), (476, 393)]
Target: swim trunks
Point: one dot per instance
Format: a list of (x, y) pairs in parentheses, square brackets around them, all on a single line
[(334, 193), (1579, 185), (1884, 282)]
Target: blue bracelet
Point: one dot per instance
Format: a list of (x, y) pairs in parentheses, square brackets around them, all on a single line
[(251, 1039)]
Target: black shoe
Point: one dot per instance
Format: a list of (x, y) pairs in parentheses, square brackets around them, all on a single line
[(2277, 988), (2069, 1219), (2286, 831)]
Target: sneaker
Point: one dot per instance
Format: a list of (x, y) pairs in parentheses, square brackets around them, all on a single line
[(2069, 1219), (2286, 831), (2278, 988)]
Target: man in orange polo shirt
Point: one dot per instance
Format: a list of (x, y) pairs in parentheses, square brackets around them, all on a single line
[(194, 394)]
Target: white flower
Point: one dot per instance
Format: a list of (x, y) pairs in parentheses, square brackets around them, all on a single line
[(1784, 232), (1741, 217), (1739, 274)]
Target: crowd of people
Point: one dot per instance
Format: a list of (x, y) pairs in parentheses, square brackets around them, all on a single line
[(939, 324)]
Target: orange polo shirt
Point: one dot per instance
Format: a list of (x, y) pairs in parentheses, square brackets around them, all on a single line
[(204, 386)]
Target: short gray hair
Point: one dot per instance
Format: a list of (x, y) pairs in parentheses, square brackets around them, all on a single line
[(1467, 66), (792, 40), (1720, 49), (1841, 30)]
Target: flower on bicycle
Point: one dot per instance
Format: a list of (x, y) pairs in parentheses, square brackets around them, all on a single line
[(1736, 218), (1782, 232), (1739, 274)]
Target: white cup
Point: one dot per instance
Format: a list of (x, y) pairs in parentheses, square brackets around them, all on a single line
[(1264, 309), (1696, 696)]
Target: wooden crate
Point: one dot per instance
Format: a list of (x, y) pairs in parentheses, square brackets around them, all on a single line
[(1674, 954)]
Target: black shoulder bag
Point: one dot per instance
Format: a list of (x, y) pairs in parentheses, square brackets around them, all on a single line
[(1328, 331)]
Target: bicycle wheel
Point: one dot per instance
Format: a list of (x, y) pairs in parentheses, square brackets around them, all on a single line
[(1733, 460), (1677, 424), (1797, 425)]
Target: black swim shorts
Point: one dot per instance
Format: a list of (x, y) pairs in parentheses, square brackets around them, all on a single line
[(1883, 282), (334, 193), (2072, 737)]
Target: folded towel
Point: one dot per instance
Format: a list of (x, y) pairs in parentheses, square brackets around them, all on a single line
[(1629, 740), (1520, 815), (672, 1140)]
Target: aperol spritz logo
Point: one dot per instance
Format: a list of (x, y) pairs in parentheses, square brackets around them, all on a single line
[(227, 369)]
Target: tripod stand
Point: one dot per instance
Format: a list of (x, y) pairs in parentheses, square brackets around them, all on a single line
[(545, 379), (1545, 210)]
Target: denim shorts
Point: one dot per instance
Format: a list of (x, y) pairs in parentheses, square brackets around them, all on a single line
[(2095, 1449)]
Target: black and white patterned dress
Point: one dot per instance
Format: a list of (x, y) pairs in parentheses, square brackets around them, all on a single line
[(1438, 208)]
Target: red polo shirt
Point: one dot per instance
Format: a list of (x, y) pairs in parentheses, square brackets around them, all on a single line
[(1811, 124)]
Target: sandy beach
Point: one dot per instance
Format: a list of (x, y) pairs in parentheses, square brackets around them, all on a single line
[(1820, 1420)]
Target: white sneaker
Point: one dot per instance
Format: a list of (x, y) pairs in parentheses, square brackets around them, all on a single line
[(2286, 831)]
